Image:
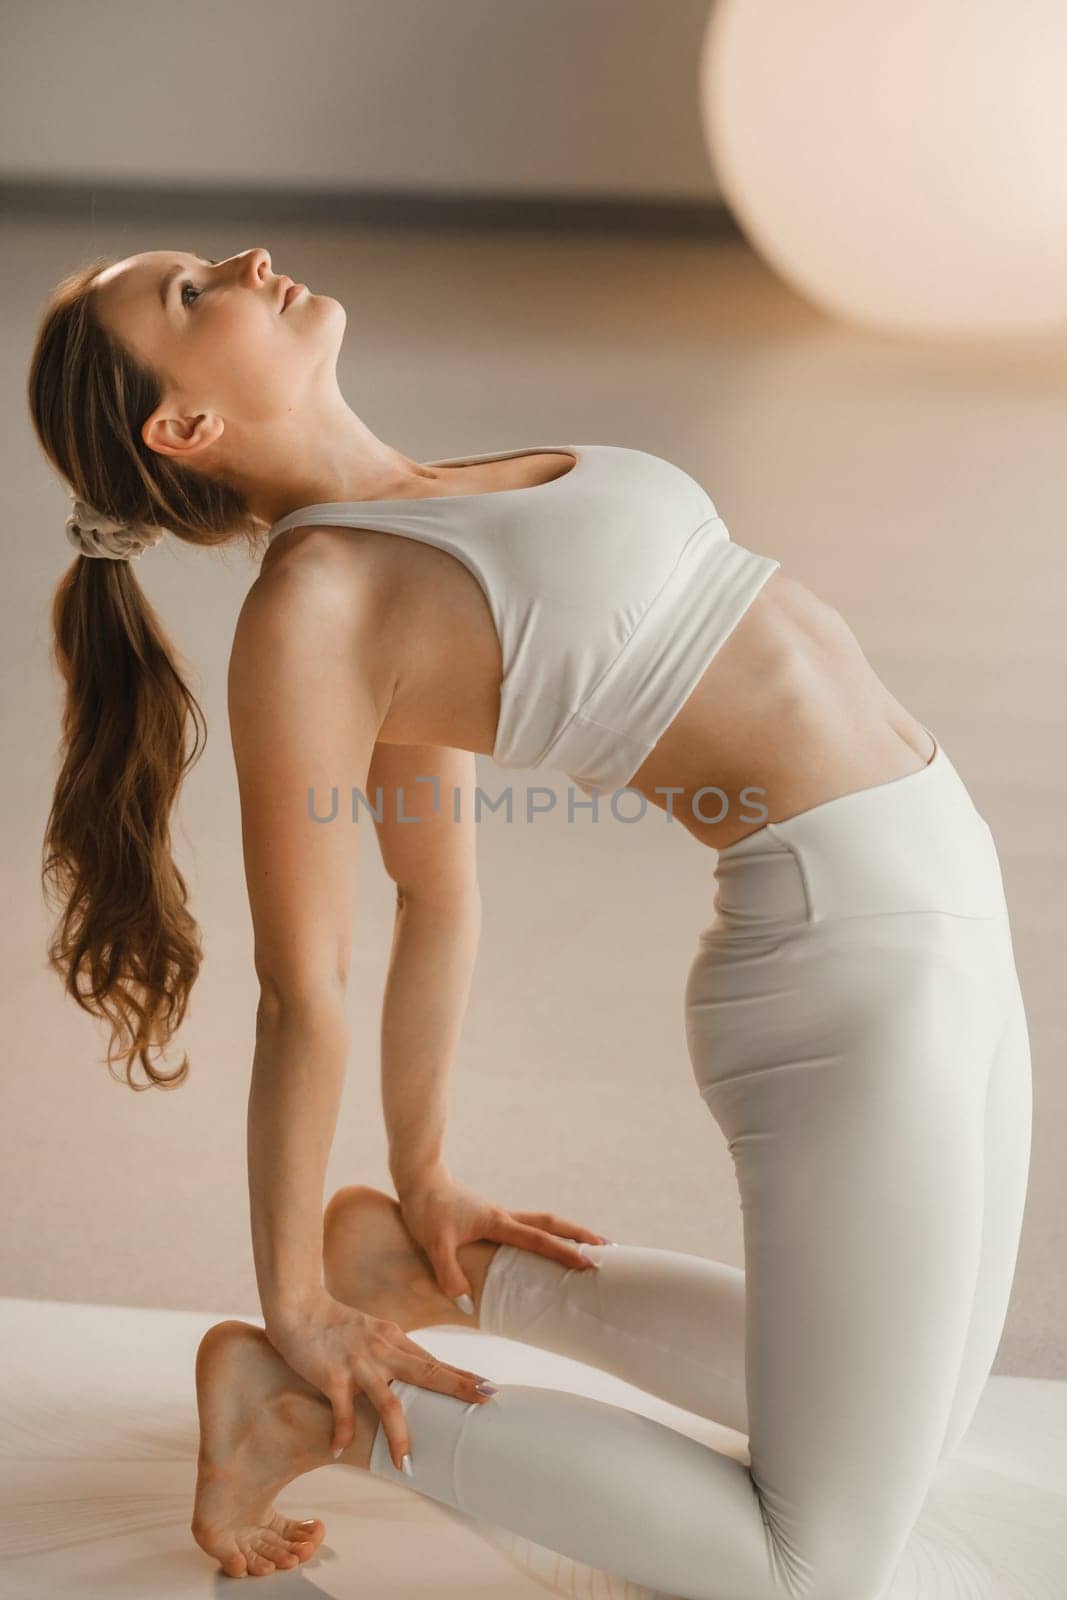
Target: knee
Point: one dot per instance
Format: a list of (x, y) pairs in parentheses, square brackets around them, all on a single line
[(840, 1564), (860, 1575)]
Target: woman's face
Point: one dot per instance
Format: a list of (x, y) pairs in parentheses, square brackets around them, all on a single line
[(231, 359)]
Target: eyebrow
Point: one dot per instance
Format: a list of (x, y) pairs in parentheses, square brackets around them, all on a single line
[(173, 273)]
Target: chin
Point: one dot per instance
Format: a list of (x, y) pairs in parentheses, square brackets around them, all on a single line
[(328, 299)]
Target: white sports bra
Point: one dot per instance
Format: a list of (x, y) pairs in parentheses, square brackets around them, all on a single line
[(611, 587)]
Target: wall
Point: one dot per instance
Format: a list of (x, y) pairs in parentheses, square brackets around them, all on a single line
[(561, 97)]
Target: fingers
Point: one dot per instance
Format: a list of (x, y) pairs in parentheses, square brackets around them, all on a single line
[(420, 1353), (550, 1223), (344, 1420), (546, 1243), (420, 1367), (394, 1423), (428, 1374), (449, 1274), (411, 1363)]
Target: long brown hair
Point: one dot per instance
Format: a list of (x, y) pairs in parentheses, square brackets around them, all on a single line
[(126, 944)]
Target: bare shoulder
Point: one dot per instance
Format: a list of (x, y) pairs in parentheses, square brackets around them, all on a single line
[(304, 616)]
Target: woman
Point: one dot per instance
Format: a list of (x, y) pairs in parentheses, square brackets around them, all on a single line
[(853, 1013)]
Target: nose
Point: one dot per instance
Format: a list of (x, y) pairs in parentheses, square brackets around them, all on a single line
[(256, 264)]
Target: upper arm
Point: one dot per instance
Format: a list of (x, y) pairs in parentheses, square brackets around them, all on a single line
[(304, 715), (432, 858)]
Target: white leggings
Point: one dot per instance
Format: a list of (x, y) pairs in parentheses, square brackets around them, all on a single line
[(856, 1029)]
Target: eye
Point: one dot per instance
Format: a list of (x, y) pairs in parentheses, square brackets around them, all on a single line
[(189, 284)]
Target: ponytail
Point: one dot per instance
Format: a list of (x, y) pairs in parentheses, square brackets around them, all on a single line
[(126, 945)]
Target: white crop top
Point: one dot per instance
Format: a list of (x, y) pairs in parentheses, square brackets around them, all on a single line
[(611, 588)]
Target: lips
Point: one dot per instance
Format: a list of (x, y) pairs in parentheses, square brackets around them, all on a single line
[(291, 293)]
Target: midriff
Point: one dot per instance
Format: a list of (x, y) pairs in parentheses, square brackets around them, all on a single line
[(789, 706)]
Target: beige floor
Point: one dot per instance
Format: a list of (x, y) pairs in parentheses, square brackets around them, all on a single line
[(921, 490), (98, 1467)]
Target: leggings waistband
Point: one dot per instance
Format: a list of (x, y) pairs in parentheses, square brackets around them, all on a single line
[(916, 843)]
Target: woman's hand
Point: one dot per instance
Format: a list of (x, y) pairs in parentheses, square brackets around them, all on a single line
[(344, 1352), (442, 1214)]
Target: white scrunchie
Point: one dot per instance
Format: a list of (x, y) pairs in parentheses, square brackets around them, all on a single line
[(94, 534)]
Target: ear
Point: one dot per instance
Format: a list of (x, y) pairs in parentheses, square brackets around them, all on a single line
[(182, 437)]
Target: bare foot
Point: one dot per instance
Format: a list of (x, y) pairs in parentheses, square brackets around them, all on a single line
[(371, 1261), (261, 1426)]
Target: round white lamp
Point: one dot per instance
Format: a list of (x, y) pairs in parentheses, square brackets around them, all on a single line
[(904, 166)]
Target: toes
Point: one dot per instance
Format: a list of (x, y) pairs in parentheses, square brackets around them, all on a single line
[(280, 1548), (259, 1566), (298, 1536), (265, 1553), (274, 1551), (223, 1547), (235, 1565)]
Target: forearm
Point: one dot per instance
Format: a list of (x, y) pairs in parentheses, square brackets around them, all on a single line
[(297, 1079), (427, 987)]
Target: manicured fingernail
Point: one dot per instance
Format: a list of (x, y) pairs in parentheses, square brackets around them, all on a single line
[(583, 1249), (309, 1522), (338, 1453), (465, 1304), (486, 1388), (407, 1467)]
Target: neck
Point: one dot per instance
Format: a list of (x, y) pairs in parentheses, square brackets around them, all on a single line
[(330, 455)]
